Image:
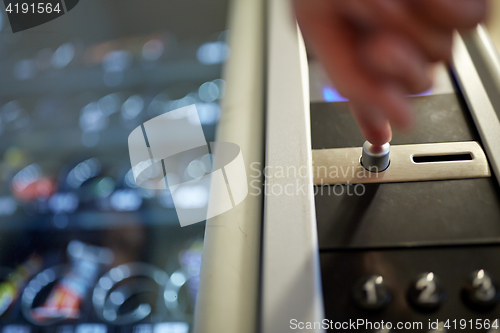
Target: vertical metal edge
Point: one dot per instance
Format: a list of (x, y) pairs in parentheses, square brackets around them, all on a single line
[(478, 101), (227, 300), (490, 54), (291, 283)]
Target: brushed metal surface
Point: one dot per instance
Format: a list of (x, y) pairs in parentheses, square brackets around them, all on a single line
[(342, 165), (482, 105)]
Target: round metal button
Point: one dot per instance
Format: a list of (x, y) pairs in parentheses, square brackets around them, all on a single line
[(371, 293), (480, 292), (375, 158), (426, 293)]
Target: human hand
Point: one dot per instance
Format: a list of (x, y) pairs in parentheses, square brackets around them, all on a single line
[(378, 51)]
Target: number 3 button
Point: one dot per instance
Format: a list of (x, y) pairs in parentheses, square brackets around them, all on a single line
[(426, 293), (371, 293), (479, 292)]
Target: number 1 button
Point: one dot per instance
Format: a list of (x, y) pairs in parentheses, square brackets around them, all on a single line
[(371, 293)]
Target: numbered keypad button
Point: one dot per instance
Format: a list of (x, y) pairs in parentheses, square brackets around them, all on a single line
[(371, 293), (426, 293), (480, 292)]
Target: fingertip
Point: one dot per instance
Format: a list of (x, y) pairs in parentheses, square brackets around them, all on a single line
[(372, 122), (377, 135)]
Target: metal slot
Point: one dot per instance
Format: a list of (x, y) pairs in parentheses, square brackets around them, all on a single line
[(409, 163), (441, 158)]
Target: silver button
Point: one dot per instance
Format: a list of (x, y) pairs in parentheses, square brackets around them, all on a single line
[(375, 158)]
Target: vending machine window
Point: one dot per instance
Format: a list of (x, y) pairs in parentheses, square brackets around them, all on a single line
[(83, 248)]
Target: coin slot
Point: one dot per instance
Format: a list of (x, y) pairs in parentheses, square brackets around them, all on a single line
[(442, 158)]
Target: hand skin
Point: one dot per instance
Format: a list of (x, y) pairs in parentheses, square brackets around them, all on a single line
[(378, 51)]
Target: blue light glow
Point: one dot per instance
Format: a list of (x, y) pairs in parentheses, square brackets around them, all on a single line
[(332, 95), (425, 93)]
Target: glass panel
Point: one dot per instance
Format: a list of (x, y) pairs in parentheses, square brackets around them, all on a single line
[(83, 248)]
